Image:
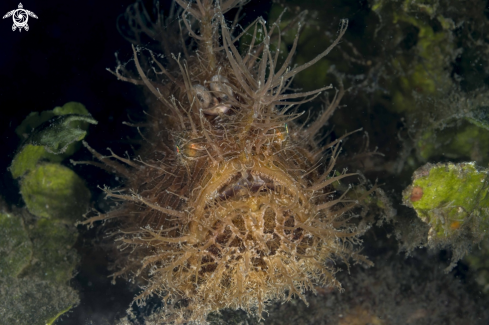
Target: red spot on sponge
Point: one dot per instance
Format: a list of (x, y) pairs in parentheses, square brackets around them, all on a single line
[(416, 194)]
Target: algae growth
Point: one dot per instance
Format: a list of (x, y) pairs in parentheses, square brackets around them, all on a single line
[(37, 258)]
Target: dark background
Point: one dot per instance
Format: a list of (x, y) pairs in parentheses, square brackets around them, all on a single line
[(63, 57)]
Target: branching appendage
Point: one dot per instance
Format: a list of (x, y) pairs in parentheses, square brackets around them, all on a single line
[(230, 206), (138, 27)]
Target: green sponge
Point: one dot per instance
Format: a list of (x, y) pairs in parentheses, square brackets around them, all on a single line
[(453, 199), (54, 191)]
